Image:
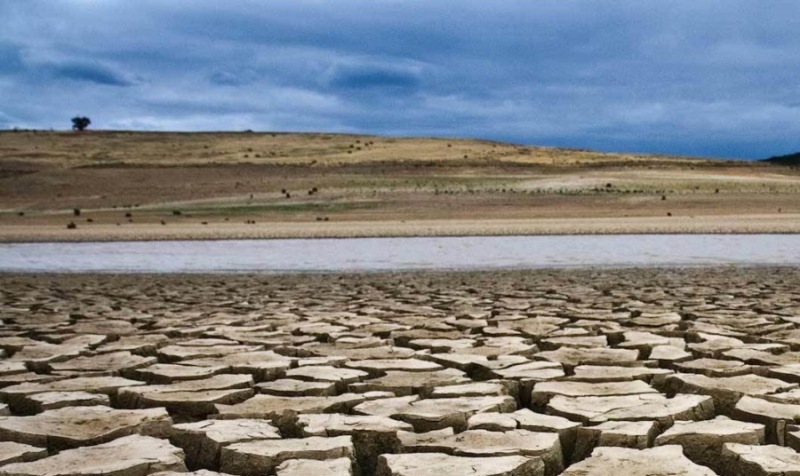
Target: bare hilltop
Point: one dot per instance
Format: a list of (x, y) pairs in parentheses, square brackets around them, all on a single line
[(107, 185)]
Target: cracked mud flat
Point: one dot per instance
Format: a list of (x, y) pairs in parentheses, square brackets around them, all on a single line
[(580, 372)]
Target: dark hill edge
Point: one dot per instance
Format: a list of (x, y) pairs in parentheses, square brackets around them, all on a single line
[(790, 159)]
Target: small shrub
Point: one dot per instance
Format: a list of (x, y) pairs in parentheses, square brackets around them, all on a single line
[(80, 123), (71, 225)]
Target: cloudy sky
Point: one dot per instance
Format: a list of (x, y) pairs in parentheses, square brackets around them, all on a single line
[(697, 77)]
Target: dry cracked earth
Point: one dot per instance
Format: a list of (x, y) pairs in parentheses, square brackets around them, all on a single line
[(594, 372)]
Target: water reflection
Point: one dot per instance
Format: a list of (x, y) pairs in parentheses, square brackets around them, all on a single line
[(378, 254)]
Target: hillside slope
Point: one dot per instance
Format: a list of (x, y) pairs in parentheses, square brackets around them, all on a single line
[(790, 159), (193, 184)]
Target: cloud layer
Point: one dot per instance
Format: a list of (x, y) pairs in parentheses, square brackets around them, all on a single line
[(715, 78)]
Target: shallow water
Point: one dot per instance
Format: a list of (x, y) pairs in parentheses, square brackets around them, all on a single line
[(382, 254)]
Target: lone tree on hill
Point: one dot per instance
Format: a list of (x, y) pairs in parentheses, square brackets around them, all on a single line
[(80, 123)]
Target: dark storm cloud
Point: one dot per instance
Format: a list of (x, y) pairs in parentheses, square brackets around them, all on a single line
[(10, 59), (374, 78), (700, 77), (92, 73)]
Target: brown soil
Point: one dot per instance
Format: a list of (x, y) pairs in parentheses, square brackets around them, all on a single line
[(126, 184)]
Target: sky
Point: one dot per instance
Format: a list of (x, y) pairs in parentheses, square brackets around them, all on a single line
[(688, 77)]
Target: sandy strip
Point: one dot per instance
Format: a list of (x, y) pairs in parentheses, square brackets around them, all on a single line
[(777, 223)]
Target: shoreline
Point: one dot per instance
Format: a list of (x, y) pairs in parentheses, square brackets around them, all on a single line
[(731, 224)]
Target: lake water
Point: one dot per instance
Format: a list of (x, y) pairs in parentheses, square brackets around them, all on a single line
[(382, 254)]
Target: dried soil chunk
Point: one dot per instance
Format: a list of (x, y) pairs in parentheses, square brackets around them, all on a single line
[(428, 464), (40, 402), (787, 373), (41, 355), (543, 392), (269, 407), (202, 441), (377, 367), (666, 354), (287, 387), (341, 377), (623, 434), (263, 366), (381, 352), (663, 460), (133, 455), (702, 441), (15, 395), (775, 416), (164, 374), (567, 430), (175, 353), (488, 443), (435, 414), (310, 467), (146, 344), (409, 383), (111, 362), (726, 391), (572, 357), (644, 342), (255, 458), (199, 472), (11, 452), (492, 422), (574, 341), (597, 373), (372, 435), (714, 367), (82, 426), (533, 371), (754, 460), (634, 408), (337, 424), (475, 389), (190, 397)]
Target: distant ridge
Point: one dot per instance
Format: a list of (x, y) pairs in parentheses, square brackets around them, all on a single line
[(790, 159)]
